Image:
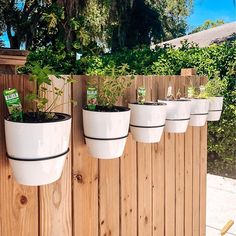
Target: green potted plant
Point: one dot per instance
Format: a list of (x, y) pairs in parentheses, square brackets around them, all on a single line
[(147, 119), (37, 140), (106, 127), (215, 89)]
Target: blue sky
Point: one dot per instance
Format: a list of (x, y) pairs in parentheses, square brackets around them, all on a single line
[(211, 10), (204, 10)]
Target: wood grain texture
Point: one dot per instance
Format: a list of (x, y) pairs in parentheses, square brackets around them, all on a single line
[(158, 168), (144, 152), (148, 191), (85, 171), (18, 203), (203, 173), (128, 179), (188, 182), (196, 183)]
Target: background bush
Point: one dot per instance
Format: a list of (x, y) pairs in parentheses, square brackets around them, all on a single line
[(213, 61)]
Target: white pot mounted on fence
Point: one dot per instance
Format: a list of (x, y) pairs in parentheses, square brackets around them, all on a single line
[(178, 115), (215, 108), (199, 112), (37, 151), (106, 132), (147, 121)]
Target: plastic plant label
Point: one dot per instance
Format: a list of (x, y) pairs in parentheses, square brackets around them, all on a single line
[(91, 98), (13, 104), (141, 93), (169, 95)]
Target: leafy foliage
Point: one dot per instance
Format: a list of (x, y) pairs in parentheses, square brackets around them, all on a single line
[(112, 85), (216, 87), (92, 24), (44, 87), (207, 25)]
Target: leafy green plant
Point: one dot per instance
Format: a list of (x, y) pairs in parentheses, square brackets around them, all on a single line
[(216, 87), (44, 87), (112, 85)]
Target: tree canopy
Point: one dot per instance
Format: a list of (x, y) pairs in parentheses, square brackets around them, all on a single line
[(88, 24)]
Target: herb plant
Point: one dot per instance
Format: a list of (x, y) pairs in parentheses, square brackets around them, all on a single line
[(112, 85), (38, 98), (216, 87)]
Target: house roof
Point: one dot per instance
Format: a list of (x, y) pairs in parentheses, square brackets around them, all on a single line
[(207, 37)]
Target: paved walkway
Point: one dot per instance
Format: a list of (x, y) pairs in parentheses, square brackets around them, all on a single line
[(221, 204)]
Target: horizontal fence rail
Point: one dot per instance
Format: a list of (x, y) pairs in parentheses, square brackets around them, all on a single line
[(153, 189)]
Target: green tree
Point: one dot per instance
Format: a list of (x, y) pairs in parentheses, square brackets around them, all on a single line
[(208, 24)]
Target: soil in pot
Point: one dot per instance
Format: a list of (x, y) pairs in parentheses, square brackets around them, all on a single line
[(41, 117)]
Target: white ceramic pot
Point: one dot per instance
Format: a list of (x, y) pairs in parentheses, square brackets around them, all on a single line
[(147, 121), (106, 132), (215, 108), (199, 112), (178, 115), (37, 151)]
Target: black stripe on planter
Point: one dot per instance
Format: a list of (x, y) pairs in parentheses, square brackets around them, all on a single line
[(106, 139), (39, 159), (214, 110), (178, 119), (199, 114), (137, 126)]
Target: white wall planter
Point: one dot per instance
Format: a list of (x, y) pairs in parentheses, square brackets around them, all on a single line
[(178, 115), (106, 132), (199, 112), (147, 121), (37, 151), (215, 108)]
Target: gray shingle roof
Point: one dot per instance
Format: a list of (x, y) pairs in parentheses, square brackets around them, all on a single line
[(207, 37)]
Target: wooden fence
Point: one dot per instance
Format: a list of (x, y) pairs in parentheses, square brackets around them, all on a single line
[(153, 189)]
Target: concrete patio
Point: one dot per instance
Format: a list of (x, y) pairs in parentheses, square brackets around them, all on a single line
[(221, 204)]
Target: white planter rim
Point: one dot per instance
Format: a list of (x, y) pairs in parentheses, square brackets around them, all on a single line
[(149, 104), (38, 159), (120, 108), (63, 115)]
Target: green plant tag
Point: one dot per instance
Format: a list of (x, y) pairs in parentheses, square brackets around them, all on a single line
[(141, 93), (13, 104), (91, 98)]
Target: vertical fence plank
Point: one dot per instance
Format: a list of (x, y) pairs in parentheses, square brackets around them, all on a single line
[(196, 177), (188, 171), (169, 184), (188, 178), (18, 203), (179, 168), (109, 208), (203, 174), (179, 155), (55, 198), (85, 171), (158, 168), (144, 175), (170, 173), (128, 179)]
